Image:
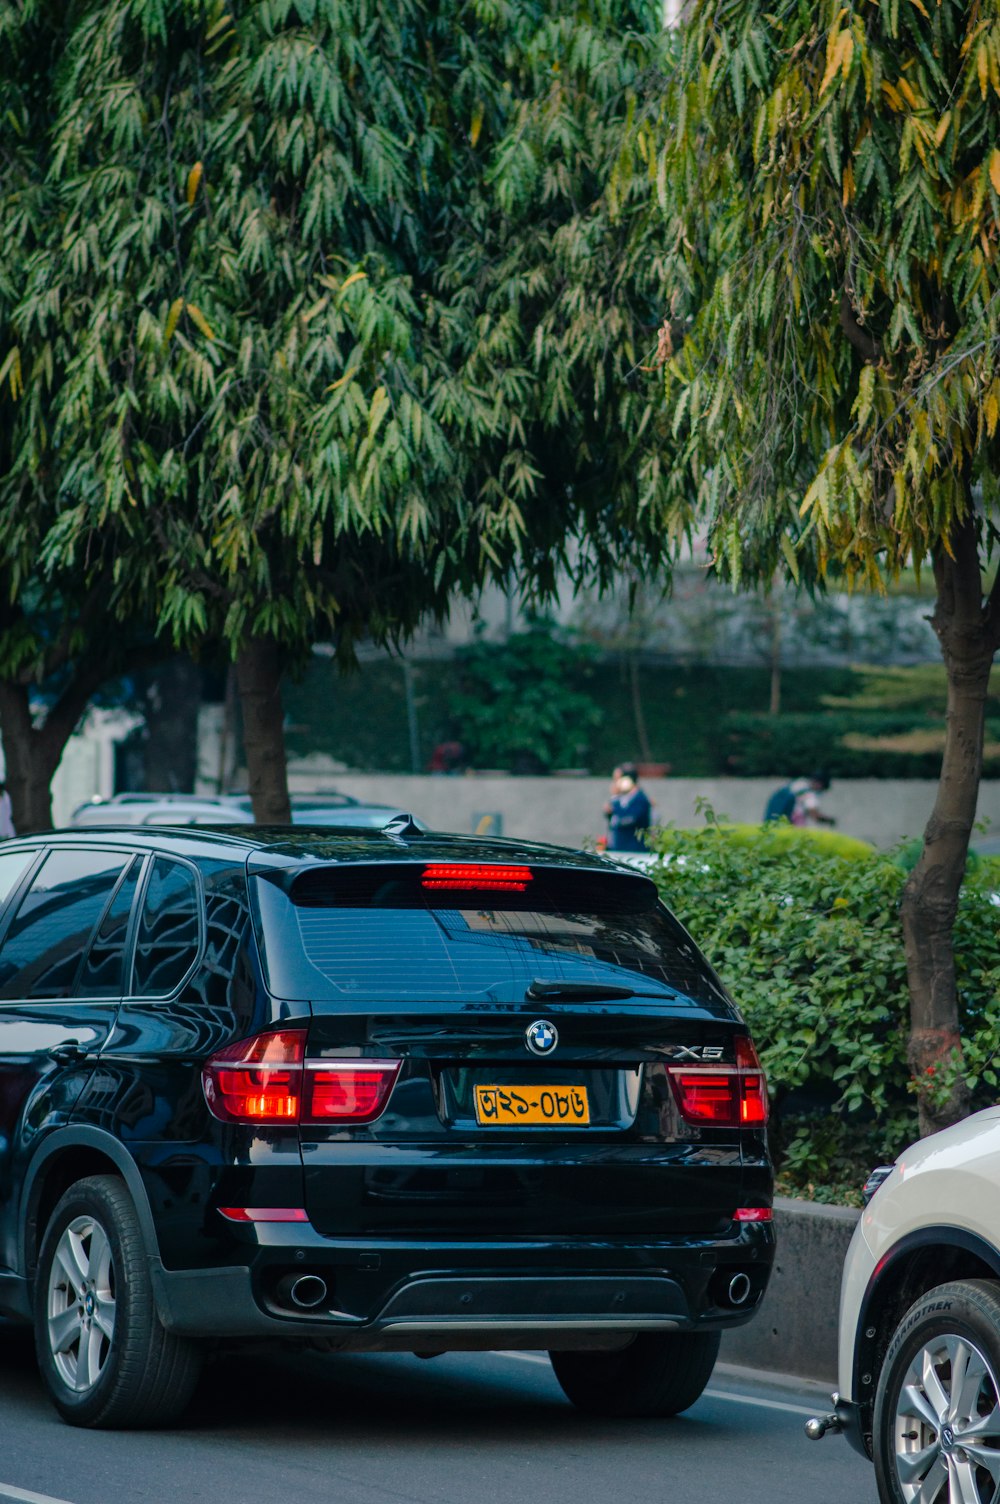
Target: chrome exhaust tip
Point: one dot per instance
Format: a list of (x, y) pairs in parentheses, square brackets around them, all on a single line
[(308, 1292), (738, 1292), (304, 1291)]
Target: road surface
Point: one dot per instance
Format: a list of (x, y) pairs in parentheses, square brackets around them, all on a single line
[(461, 1429)]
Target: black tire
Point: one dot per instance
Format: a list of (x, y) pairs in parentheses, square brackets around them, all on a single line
[(656, 1374), (925, 1356), (117, 1366)]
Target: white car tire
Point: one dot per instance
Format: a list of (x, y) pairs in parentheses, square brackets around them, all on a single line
[(936, 1434)]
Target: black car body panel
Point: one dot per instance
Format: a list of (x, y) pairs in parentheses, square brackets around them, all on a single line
[(423, 1223)]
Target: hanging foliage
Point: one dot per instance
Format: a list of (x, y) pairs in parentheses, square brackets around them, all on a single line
[(827, 183)]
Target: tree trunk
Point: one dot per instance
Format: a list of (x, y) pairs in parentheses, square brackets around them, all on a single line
[(31, 758), (258, 680), (170, 696), (33, 753), (227, 737), (774, 609), (412, 717), (638, 711), (967, 635)]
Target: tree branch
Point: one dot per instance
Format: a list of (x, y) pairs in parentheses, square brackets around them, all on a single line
[(859, 337), (60, 652), (87, 679)]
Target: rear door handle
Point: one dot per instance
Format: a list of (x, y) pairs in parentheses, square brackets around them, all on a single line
[(70, 1053)]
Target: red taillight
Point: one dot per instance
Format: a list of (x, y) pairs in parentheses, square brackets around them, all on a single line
[(348, 1092), (477, 878), (723, 1097), (258, 1080), (707, 1097), (753, 1084), (267, 1080), (753, 1100), (753, 1214)]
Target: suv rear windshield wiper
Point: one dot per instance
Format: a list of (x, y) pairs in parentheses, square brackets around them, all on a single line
[(540, 990)]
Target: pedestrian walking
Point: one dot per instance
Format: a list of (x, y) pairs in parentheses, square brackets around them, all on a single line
[(629, 812), (798, 801)]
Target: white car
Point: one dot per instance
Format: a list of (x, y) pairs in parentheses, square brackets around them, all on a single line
[(161, 809), (920, 1322)]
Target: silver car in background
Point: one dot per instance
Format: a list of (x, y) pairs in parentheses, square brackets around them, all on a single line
[(336, 810)]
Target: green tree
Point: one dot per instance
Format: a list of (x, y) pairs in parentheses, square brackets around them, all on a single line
[(74, 600), (828, 179), (352, 320), (523, 703)]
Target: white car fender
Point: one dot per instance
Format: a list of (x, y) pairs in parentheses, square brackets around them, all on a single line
[(950, 1180)]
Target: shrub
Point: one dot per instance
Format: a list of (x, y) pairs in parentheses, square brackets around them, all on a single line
[(523, 703), (847, 744), (809, 943), (779, 838)]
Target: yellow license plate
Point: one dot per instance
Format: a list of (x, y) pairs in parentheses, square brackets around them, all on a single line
[(532, 1106)]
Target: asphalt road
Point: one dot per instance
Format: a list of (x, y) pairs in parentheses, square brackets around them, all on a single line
[(460, 1429)]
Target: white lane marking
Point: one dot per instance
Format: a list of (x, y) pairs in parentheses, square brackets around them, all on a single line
[(710, 1394), (750, 1399), (25, 1496)]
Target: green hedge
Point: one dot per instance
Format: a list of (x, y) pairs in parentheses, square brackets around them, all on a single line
[(361, 718), (809, 943), (779, 837), (754, 745), (702, 720)]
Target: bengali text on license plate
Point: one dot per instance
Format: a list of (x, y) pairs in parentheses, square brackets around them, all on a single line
[(532, 1106)]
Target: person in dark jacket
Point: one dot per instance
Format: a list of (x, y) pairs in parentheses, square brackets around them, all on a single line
[(798, 801), (629, 811)]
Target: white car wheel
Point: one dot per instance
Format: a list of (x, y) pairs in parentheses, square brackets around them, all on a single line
[(937, 1409)]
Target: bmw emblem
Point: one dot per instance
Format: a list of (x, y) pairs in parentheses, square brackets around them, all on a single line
[(541, 1037)]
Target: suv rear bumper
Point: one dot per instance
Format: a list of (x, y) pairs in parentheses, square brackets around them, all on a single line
[(404, 1296)]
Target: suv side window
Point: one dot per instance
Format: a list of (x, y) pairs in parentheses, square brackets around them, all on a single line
[(103, 970), (48, 936), (169, 935)]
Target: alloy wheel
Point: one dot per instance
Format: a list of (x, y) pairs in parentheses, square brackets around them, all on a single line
[(80, 1307), (946, 1429)]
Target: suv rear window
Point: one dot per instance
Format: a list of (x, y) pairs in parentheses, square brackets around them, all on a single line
[(169, 934), (377, 932)]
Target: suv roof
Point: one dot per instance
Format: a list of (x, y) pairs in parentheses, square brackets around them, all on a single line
[(283, 845)]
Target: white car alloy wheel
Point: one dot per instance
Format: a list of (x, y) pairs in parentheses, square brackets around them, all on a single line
[(947, 1425), (936, 1432), (80, 1307)]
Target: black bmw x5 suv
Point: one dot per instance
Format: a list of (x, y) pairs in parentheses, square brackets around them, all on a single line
[(376, 1091)]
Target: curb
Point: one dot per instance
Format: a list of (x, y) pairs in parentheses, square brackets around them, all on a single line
[(795, 1330), (765, 1382)]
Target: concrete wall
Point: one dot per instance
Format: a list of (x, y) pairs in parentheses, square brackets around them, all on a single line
[(795, 1330), (567, 811)]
